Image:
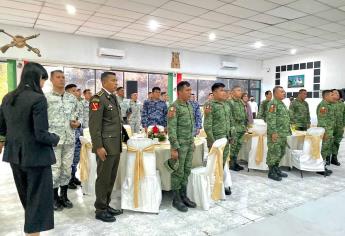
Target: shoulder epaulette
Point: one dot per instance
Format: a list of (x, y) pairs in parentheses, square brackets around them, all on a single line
[(100, 93)]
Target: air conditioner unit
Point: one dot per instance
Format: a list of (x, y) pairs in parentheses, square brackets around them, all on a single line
[(110, 52), (229, 65)]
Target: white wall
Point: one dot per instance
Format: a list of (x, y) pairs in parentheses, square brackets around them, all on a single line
[(82, 50), (332, 72)]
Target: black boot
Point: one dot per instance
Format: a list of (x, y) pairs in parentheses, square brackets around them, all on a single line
[(327, 172), (65, 201), (280, 173), (328, 160), (233, 164), (57, 202), (335, 161), (76, 181), (185, 199), (227, 191), (71, 184), (177, 202), (272, 174)]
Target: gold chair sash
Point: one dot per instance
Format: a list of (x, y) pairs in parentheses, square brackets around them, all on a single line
[(259, 156), (315, 145), (84, 162), (218, 172), (139, 171)]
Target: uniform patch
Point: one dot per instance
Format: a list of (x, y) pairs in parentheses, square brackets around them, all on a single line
[(323, 110), (272, 108), (94, 106), (171, 112), (207, 109)]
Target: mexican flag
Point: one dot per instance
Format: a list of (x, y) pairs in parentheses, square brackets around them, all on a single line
[(173, 80)]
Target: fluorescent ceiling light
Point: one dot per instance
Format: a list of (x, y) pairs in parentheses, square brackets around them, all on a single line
[(212, 36), (70, 9), (258, 44), (153, 25), (293, 51)]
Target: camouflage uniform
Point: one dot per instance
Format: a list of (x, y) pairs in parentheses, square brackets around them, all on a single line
[(197, 116), (240, 120), (339, 126), (299, 114), (61, 110), (180, 130), (85, 122), (154, 113), (263, 109), (134, 118), (217, 124), (124, 104), (326, 118), (278, 121), (78, 133)]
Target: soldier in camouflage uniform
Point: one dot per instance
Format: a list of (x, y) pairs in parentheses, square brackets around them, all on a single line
[(86, 102), (63, 112), (180, 132), (154, 111), (339, 107), (299, 112), (218, 122), (263, 109), (124, 104), (197, 115), (278, 128), (240, 120), (326, 118), (134, 113)]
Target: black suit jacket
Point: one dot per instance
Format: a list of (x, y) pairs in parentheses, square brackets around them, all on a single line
[(25, 126)]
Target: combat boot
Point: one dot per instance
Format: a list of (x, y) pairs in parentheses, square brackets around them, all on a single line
[(185, 199), (233, 164), (227, 191), (280, 173), (335, 161), (64, 199), (57, 202), (177, 202), (272, 174), (328, 160)]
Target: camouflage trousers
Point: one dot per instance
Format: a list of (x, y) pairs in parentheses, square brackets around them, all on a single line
[(327, 143), (338, 136), (179, 178), (236, 146), (77, 147), (135, 126), (62, 168), (276, 151)]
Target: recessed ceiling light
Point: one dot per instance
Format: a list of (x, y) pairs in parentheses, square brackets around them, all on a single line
[(258, 44), (212, 36), (153, 25), (293, 51), (70, 9)]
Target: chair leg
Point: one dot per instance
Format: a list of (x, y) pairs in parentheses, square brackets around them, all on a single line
[(248, 169), (301, 174)]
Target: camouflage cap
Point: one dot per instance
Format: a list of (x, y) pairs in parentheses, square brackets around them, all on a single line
[(171, 165)]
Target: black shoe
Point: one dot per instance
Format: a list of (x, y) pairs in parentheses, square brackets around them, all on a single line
[(177, 202), (280, 173), (64, 199), (325, 173), (114, 212), (335, 161), (71, 184), (239, 167), (328, 171), (57, 201), (328, 160), (185, 199), (227, 191), (272, 174), (76, 181), (105, 216)]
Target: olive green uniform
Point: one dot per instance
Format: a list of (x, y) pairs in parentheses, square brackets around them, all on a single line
[(299, 114)]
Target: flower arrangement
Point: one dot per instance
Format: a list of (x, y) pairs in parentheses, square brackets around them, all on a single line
[(157, 132)]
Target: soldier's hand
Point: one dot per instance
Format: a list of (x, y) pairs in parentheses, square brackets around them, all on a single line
[(274, 137), (197, 131), (207, 109), (145, 129), (74, 124), (165, 130), (174, 154), (102, 153)]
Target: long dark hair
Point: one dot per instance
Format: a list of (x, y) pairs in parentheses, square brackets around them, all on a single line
[(30, 79)]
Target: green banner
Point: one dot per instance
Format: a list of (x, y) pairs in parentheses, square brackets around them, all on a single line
[(11, 74), (171, 87)]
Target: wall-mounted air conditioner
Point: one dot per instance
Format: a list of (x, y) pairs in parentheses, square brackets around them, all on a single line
[(227, 65), (111, 52)]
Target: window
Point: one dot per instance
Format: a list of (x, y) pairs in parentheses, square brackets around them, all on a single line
[(142, 83), (3, 80), (158, 80), (83, 78)]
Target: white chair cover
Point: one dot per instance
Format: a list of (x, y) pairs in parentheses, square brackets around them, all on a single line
[(259, 128), (302, 159), (129, 130), (201, 180), (150, 192)]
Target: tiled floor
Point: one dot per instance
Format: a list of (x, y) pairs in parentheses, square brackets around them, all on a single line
[(254, 198)]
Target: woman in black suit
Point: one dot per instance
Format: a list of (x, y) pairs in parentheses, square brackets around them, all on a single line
[(28, 147)]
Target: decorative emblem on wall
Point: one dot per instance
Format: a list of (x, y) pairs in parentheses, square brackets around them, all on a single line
[(20, 42), (175, 60)]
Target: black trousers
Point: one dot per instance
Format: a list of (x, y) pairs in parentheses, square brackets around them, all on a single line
[(35, 189), (106, 175)]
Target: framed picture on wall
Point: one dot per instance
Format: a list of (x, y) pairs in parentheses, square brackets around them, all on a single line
[(296, 81)]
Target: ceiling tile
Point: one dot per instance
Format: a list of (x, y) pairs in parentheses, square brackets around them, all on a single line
[(236, 11), (126, 35), (332, 36), (92, 34), (17, 23), (333, 27), (96, 31), (21, 5), (210, 5), (114, 17), (293, 26), (274, 30), (315, 40), (184, 8), (311, 20), (334, 3), (67, 20), (155, 3), (205, 23), (136, 32), (296, 35), (79, 4), (219, 17), (18, 12), (332, 15), (191, 27), (102, 26), (267, 19), (314, 31), (281, 39), (259, 35), (160, 20), (235, 29), (30, 21), (282, 2), (285, 12), (108, 21), (250, 24), (308, 6), (257, 5), (55, 26), (131, 6), (120, 12), (171, 15)]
